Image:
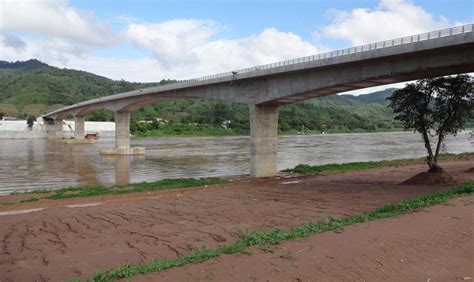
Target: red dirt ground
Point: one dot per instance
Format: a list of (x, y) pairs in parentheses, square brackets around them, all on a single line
[(59, 242), (435, 244)]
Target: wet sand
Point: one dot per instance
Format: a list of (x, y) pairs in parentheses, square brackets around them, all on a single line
[(60, 242)]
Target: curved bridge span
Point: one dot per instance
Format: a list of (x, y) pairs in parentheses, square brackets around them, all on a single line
[(265, 88)]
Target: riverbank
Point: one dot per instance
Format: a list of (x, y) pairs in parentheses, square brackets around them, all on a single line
[(18, 129), (61, 239), (193, 130), (35, 164), (186, 183)]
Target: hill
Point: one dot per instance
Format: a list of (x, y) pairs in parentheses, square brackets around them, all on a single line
[(22, 65), (33, 88), (378, 97), (12, 68)]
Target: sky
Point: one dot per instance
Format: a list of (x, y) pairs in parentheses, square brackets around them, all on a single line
[(147, 41)]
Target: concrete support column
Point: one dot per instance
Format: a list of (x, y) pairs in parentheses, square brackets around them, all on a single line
[(122, 130), (54, 128), (122, 137), (79, 127), (263, 140)]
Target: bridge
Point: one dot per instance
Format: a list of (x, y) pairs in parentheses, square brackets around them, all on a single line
[(265, 88)]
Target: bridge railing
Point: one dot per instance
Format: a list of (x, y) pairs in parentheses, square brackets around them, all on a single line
[(332, 54)]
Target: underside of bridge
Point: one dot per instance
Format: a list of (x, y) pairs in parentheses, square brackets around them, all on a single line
[(267, 89)]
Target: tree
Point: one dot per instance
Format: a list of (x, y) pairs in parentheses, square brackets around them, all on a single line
[(434, 107), (30, 121)]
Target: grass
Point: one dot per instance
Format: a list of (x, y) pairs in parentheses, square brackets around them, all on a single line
[(89, 191), (34, 199), (265, 238), (314, 169)]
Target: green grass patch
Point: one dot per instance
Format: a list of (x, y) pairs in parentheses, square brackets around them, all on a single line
[(265, 238), (34, 199), (164, 184), (314, 169), (89, 191)]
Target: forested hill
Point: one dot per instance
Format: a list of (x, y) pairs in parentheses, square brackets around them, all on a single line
[(379, 97), (33, 88)]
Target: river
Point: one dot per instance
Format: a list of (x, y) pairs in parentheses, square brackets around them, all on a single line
[(29, 164)]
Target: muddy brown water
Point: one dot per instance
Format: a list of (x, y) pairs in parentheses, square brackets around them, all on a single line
[(38, 164)]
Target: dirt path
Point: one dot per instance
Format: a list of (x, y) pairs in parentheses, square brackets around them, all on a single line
[(435, 244), (61, 242)]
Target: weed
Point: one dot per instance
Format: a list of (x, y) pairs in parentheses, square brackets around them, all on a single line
[(288, 256), (267, 248), (244, 252), (30, 200), (90, 191)]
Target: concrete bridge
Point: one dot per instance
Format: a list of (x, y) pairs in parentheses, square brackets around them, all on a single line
[(265, 88)]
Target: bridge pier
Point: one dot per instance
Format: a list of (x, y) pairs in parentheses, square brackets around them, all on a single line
[(122, 130), (122, 137), (79, 127), (263, 140), (53, 127)]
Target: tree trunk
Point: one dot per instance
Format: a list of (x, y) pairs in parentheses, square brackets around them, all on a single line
[(438, 146), (430, 159), (435, 167)]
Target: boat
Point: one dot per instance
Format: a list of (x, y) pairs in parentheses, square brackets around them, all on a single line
[(92, 136)]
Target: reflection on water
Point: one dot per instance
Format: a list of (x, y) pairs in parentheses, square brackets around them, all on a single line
[(122, 170), (37, 164), (122, 167)]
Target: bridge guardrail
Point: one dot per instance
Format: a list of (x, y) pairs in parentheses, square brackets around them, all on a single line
[(358, 49)]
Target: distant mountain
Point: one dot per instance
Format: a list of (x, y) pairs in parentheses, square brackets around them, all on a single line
[(12, 68), (23, 65), (378, 97)]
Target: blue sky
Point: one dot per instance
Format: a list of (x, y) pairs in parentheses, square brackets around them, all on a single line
[(151, 40), (242, 18)]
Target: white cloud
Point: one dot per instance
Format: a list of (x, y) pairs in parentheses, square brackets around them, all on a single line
[(269, 46), (184, 48), (53, 51), (390, 19), (13, 41), (172, 42), (61, 53), (54, 18), (180, 49)]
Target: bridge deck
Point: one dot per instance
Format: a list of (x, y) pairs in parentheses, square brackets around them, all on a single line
[(245, 85)]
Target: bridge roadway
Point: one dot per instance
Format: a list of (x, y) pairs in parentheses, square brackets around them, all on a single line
[(265, 88)]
